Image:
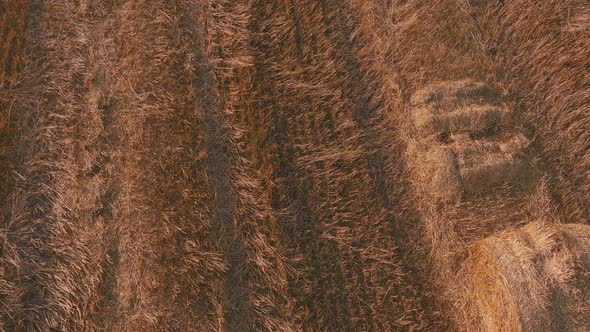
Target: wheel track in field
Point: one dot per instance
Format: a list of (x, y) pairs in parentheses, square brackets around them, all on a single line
[(236, 290), (388, 175), (47, 191), (223, 207), (352, 275)]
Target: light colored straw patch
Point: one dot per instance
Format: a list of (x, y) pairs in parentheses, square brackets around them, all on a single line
[(466, 119), (529, 279), (458, 93)]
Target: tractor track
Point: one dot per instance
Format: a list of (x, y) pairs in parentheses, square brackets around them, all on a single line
[(387, 173)]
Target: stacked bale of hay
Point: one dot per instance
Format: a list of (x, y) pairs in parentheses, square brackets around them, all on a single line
[(435, 172), (450, 93), (488, 165), (460, 142), (470, 118), (535, 278)]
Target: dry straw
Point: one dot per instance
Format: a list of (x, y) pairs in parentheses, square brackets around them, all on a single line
[(531, 279)]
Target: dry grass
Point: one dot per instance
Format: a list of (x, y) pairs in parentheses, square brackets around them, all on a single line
[(479, 164), (543, 49), (113, 217), (439, 175), (308, 127), (293, 165), (50, 260)]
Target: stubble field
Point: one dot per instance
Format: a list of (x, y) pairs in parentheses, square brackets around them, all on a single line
[(297, 165)]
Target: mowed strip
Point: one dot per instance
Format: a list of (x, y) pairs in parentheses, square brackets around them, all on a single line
[(96, 245), (254, 295), (51, 255), (13, 18), (133, 208)]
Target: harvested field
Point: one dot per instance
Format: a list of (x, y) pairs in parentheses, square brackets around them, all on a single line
[(253, 165)]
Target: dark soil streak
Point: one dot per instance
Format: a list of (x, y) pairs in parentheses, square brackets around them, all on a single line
[(369, 120), (237, 311), (108, 307), (329, 272), (301, 234), (222, 215), (25, 231)]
